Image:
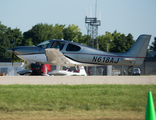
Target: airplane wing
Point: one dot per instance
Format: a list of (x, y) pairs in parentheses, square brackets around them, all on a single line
[(54, 56)]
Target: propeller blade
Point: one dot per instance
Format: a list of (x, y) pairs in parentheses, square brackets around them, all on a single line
[(12, 59), (13, 54)]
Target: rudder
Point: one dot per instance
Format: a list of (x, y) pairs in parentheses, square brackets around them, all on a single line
[(139, 48)]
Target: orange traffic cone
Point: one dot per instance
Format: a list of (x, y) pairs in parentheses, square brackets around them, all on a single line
[(150, 110)]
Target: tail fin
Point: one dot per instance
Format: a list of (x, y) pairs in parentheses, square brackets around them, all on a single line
[(139, 48)]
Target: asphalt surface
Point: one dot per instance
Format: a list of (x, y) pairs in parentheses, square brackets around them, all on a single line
[(77, 80)]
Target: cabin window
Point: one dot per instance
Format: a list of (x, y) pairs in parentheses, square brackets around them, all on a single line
[(72, 47), (58, 45), (44, 44)]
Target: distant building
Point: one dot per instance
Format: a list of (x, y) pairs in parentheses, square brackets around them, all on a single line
[(7, 68), (152, 54)]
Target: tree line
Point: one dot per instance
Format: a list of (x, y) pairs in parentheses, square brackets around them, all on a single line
[(40, 32)]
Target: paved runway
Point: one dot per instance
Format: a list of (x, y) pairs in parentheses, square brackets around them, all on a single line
[(77, 80)]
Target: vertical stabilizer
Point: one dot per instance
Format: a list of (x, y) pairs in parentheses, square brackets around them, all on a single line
[(139, 48)]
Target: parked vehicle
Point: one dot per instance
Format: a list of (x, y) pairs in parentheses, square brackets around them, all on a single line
[(136, 71), (40, 69)]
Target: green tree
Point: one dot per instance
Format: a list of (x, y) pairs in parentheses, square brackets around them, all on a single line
[(14, 34), (102, 43), (38, 34), (116, 45), (71, 33), (28, 42), (4, 42), (82, 39), (7, 36), (121, 43), (103, 39), (27, 36), (42, 32), (153, 46), (129, 41), (58, 31)]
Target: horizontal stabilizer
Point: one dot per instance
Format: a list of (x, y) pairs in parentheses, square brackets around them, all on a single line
[(128, 59)]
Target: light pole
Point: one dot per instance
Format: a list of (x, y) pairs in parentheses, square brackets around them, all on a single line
[(108, 45), (109, 67)]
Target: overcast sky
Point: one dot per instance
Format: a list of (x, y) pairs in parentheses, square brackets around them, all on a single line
[(126, 16)]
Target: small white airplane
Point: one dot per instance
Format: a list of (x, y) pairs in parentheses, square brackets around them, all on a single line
[(66, 53), (80, 72)]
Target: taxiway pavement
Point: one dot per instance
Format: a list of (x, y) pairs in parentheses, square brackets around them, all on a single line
[(77, 80)]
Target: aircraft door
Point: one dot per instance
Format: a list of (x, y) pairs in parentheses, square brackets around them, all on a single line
[(83, 57), (72, 51), (71, 55)]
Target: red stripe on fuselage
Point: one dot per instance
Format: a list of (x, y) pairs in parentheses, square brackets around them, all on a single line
[(105, 55)]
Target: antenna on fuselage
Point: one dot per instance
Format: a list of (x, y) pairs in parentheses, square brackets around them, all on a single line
[(74, 38)]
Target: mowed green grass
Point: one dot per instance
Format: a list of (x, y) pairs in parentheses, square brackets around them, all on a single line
[(75, 97), (73, 102)]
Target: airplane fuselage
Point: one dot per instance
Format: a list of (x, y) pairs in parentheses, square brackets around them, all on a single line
[(76, 53)]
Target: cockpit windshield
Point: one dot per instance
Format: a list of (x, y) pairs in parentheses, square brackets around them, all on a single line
[(44, 44)]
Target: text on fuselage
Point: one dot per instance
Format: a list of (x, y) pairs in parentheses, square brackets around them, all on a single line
[(105, 59)]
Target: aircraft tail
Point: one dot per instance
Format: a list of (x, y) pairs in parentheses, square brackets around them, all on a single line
[(139, 48)]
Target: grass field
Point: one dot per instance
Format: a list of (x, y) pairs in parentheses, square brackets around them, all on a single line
[(74, 101)]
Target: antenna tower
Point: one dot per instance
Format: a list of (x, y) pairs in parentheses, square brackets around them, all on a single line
[(92, 29)]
